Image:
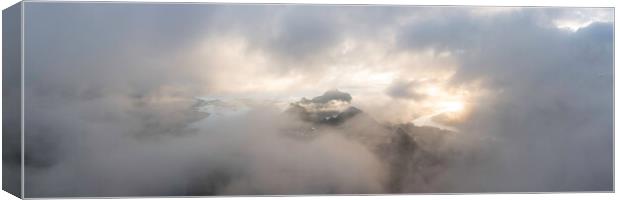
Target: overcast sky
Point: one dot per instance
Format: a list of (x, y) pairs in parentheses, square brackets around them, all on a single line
[(531, 86)]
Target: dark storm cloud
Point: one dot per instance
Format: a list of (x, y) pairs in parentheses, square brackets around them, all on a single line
[(110, 88)]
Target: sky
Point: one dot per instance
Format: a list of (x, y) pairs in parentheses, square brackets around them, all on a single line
[(525, 92)]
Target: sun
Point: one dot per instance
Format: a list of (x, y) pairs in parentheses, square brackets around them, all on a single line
[(442, 99), (452, 106)]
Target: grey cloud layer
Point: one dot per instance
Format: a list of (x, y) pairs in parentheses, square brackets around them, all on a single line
[(551, 107), (109, 91)]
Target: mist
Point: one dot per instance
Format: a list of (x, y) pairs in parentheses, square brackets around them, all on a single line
[(231, 99)]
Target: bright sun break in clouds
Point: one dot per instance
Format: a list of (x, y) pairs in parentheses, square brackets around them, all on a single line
[(252, 99)]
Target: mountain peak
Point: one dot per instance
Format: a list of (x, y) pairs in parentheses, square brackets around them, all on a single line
[(331, 95), (332, 108)]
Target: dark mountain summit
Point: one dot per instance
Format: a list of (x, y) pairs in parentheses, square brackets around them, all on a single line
[(332, 108), (332, 95)]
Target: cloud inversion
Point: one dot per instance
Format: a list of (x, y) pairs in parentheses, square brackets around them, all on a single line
[(115, 99)]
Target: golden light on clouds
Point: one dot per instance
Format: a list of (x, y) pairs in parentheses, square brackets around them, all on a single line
[(444, 98), (453, 106), (314, 99), (366, 70), (444, 105)]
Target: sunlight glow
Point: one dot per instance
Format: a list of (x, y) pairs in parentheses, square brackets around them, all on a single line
[(453, 106)]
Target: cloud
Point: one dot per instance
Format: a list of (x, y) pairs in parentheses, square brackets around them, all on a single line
[(110, 88), (544, 95), (406, 90)]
